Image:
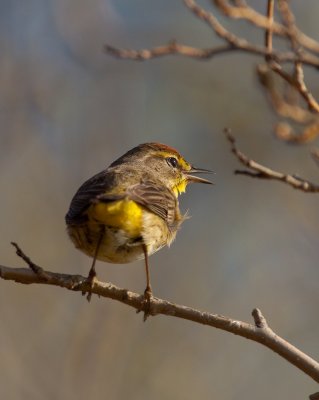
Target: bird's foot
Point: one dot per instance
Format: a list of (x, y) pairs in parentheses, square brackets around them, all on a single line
[(147, 302), (91, 279)]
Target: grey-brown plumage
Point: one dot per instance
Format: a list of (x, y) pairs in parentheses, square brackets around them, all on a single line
[(130, 210), (114, 184)]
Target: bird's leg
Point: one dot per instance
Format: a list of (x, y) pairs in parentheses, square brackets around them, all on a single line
[(148, 291), (92, 274)]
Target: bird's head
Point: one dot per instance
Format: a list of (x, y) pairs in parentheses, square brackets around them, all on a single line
[(166, 165)]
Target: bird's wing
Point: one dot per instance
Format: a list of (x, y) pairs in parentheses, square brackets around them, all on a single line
[(89, 193), (156, 198)]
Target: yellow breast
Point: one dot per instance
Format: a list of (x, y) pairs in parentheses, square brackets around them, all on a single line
[(122, 214)]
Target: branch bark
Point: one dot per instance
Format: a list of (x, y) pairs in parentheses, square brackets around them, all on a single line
[(259, 332), (256, 170)]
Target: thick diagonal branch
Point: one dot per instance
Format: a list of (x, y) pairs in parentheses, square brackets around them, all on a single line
[(259, 332)]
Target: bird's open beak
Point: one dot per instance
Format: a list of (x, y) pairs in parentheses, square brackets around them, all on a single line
[(194, 178)]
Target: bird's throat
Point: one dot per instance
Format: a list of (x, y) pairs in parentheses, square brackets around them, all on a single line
[(180, 187)]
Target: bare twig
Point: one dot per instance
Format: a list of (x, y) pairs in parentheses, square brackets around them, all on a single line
[(286, 133), (297, 78), (243, 44), (268, 33), (243, 11), (273, 57), (308, 121), (234, 43), (298, 82), (289, 21), (260, 332), (303, 90), (171, 48), (206, 54), (279, 103), (35, 268), (295, 84), (256, 170)]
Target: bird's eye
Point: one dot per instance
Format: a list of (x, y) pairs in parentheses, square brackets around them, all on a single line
[(172, 161)]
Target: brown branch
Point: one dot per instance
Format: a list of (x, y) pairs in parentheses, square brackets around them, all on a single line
[(175, 48), (256, 170), (295, 84), (297, 80), (260, 332), (249, 14), (242, 44), (303, 90), (243, 11), (171, 48), (274, 58), (288, 108), (268, 33), (234, 43), (285, 132), (289, 21)]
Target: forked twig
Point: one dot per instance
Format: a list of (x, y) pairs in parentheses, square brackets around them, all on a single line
[(256, 170)]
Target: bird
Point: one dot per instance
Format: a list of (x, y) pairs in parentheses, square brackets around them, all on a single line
[(130, 210)]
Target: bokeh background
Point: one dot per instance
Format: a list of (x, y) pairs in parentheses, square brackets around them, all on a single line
[(67, 111)]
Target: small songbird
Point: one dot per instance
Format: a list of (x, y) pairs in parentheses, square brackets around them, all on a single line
[(130, 210)]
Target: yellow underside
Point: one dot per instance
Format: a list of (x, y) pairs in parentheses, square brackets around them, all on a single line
[(122, 214)]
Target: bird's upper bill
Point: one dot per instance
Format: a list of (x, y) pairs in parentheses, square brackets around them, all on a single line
[(188, 177), (193, 178)]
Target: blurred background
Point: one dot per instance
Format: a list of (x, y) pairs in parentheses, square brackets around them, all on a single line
[(67, 111)]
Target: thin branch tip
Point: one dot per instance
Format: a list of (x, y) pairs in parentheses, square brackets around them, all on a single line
[(39, 271)]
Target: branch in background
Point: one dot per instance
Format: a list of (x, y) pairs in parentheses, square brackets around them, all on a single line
[(284, 101), (175, 48), (302, 49), (259, 332), (268, 33), (256, 170), (297, 78), (294, 84), (243, 11), (171, 48), (233, 43)]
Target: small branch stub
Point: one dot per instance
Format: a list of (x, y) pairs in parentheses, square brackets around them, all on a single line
[(260, 320)]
